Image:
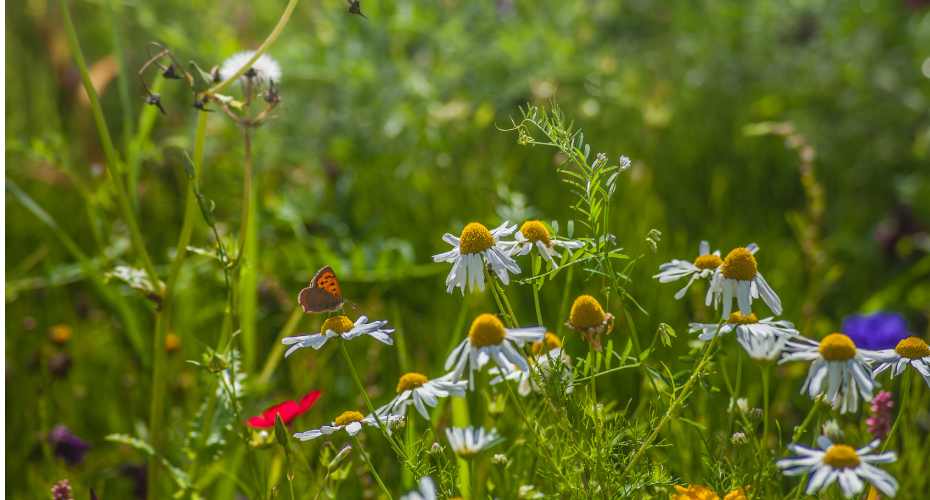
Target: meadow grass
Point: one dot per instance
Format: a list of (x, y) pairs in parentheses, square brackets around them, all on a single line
[(153, 273)]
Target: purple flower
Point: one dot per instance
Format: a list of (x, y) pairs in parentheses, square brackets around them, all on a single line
[(62, 490), (880, 422), (66, 445), (876, 331)]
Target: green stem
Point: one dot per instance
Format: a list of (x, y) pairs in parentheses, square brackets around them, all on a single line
[(799, 430), (903, 400), (159, 378), (473, 479), (563, 307), (114, 167), (675, 404), (361, 451), (282, 22), (536, 287), (371, 407), (766, 373)]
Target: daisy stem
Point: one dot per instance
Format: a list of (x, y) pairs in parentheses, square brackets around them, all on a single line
[(503, 297), (536, 287), (565, 296), (903, 400), (473, 478), (799, 430), (766, 373), (371, 407), (374, 473)]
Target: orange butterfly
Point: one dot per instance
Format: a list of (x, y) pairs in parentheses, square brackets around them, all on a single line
[(323, 294)]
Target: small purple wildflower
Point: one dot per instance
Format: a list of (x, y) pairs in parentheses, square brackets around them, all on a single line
[(62, 490), (882, 330), (880, 422), (66, 445)]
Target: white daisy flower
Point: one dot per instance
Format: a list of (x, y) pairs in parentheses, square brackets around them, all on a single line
[(549, 361), (762, 339), (265, 71), (476, 248), (842, 464), (467, 442), (703, 267), (340, 326), (534, 233), (426, 490), (488, 340), (738, 276), (838, 370), (911, 351), (350, 421), (415, 389)]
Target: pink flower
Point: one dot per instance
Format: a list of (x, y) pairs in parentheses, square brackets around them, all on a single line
[(880, 422), (289, 410)]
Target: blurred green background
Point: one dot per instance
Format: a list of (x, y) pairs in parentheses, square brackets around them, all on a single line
[(388, 136)]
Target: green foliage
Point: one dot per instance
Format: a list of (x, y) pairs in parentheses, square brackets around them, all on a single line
[(800, 126)]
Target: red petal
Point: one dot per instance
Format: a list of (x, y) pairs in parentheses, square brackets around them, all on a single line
[(289, 410)]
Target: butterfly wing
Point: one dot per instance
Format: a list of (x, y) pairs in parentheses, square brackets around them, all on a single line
[(324, 293)]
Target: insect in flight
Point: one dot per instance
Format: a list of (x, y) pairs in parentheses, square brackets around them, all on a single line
[(323, 294)]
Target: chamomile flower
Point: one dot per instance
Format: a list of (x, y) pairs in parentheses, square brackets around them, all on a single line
[(488, 340), (265, 72), (762, 339), (838, 370), (426, 490), (703, 267), (340, 326), (476, 248), (549, 360), (738, 276), (911, 351), (534, 233), (351, 422), (417, 390), (842, 464), (467, 442), (588, 318)]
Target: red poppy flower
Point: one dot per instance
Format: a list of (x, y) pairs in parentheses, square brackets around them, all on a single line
[(289, 410)]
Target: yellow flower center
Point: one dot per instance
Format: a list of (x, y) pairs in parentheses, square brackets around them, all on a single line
[(586, 313), (534, 230), (172, 342), (738, 319), (486, 330), (694, 492), (740, 264), (912, 348), (347, 417), (339, 324), (549, 342), (61, 334), (837, 347), (475, 238), (709, 261), (841, 456), (410, 380)]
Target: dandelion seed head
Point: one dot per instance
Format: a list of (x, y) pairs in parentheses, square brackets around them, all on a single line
[(549, 342), (265, 70), (736, 318), (347, 417), (841, 456), (837, 347), (475, 238), (586, 313), (410, 380), (60, 334), (535, 230), (486, 330), (740, 264), (708, 261), (339, 324), (912, 348)]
